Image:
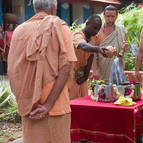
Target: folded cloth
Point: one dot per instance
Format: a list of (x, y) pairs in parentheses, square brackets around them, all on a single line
[(125, 101)]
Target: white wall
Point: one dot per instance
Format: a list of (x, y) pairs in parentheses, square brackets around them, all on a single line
[(77, 13), (98, 9)]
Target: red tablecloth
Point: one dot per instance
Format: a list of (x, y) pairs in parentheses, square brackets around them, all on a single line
[(105, 122)]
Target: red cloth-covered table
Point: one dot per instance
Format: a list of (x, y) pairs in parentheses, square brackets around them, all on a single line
[(105, 122)]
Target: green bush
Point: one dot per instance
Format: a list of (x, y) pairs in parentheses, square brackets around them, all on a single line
[(132, 19), (8, 106)]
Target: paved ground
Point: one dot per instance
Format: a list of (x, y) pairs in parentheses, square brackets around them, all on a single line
[(17, 141), (20, 141)]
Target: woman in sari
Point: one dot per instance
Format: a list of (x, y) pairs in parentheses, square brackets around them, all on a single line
[(7, 39), (2, 63), (1, 43)]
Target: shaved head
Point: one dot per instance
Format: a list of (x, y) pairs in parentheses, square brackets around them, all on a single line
[(93, 25), (94, 17)]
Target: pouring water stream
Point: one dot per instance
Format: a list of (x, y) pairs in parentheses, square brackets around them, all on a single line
[(117, 75)]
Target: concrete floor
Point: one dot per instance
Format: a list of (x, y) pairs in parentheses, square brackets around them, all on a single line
[(17, 141)]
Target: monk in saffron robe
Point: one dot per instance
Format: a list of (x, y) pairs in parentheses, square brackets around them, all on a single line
[(39, 63), (109, 34), (84, 52)]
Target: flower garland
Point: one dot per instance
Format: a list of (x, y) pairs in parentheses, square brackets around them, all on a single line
[(127, 90), (100, 95)]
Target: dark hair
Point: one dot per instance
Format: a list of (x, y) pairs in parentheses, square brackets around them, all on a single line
[(110, 7), (95, 16), (9, 24)]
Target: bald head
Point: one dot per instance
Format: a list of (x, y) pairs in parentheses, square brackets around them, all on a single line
[(93, 25), (94, 18)]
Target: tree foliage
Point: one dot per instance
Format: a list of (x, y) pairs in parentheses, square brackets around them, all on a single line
[(132, 19)]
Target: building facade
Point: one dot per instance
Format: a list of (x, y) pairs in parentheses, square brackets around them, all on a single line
[(69, 10), (24, 10)]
